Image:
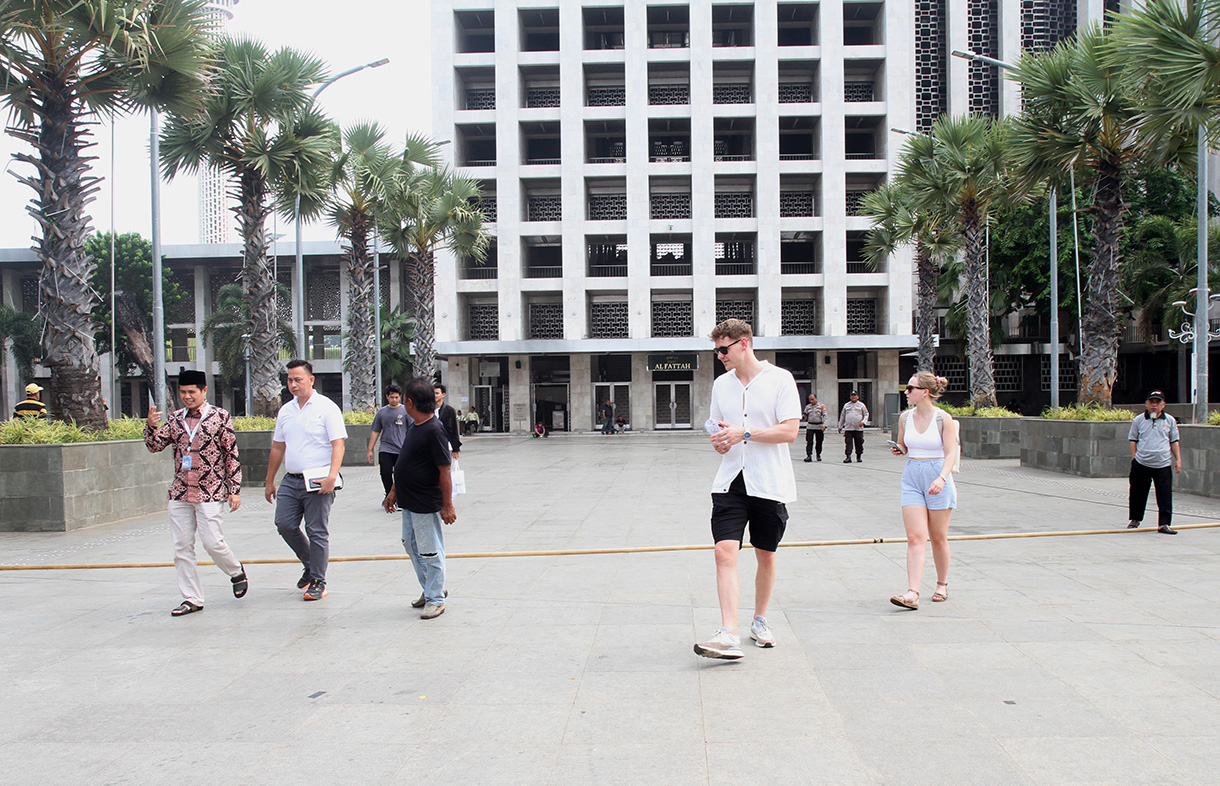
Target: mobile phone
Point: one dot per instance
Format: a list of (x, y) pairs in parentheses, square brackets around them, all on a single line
[(894, 445)]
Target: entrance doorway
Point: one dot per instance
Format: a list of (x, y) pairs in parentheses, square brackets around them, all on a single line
[(489, 403), (673, 405), (551, 406), (619, 393)]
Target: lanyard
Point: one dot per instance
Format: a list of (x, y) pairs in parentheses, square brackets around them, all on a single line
[(190, 432)]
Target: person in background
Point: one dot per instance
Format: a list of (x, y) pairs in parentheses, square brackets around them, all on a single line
[(32, 407), (390, 425), (815, 415), (207, 478), (852, 421), (448, 419), (928, 437), (539, 430), (1155, 450), (607, 412)]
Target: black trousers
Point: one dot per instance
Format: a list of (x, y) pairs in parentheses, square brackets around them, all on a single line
[(1141, 477), (856, 437), (385, 462), (812, 434)]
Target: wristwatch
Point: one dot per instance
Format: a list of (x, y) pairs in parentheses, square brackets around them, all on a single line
[(746, 437)]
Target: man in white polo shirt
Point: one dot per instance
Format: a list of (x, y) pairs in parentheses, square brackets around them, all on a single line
[(309, 435), (756, 414)]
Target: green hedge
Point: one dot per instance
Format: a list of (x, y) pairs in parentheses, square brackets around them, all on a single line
[(32, 431), (1213, 419), (1087, 412), (968, 411)]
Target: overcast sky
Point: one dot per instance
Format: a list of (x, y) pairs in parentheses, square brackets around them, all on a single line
[(344, 34)]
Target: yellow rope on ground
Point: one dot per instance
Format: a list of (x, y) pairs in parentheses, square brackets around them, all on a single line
[(623, 550)]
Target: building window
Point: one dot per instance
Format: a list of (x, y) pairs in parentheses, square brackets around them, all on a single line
[(952, 368), (798, 317), (728, 308), (603, 28), (482, 322), (861, 316), (984, 38), (476, 31), (672, 318), (1007, 372), (931, 88), (546, 320), (608, 319), (1067, 373)]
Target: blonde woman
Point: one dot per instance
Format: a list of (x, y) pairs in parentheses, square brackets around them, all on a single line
[(928, 437)]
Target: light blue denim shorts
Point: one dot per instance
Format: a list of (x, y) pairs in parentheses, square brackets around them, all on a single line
[(917, 477)]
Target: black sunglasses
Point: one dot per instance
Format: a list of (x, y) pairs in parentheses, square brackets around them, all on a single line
[(725, 349), (915, 387)]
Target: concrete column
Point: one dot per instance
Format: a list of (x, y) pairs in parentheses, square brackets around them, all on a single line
[(520, 402), (642, 399), (203, 352), (11, 389), (459, 396), (343, 310), (701, 390), (580, 392)]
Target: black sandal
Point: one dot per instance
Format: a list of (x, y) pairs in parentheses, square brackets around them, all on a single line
[(186, 608), (240, 584)]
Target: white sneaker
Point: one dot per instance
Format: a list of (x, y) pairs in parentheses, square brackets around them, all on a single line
[(723, 645), (761, 633)]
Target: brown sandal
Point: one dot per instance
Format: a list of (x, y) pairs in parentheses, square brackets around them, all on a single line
[(901, 600), (941, 595)]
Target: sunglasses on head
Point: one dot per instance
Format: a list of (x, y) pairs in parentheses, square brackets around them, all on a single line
[(725, 349)]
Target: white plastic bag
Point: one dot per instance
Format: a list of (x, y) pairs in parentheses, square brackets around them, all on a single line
[(458, 476)]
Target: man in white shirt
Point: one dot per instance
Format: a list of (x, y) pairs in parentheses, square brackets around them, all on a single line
[(309, 435), (756, 414)]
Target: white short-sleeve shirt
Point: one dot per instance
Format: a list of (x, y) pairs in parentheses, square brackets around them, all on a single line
[(307, 432), (769, 399)]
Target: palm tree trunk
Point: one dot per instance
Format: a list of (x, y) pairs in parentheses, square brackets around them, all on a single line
[(925, 319), (978, 312), (1098, 364), (422, 275), (258, 290), (361, 357), (63, 188)]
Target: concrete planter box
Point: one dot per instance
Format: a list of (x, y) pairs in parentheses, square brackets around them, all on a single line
[(254, 447), (991, 438), (1102, 450), (55, 488)]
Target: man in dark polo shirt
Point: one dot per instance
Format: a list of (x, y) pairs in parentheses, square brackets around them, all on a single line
[(1154, 451), (423, 490)]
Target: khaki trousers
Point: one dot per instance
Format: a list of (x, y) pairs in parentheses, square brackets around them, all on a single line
[(205, 518)]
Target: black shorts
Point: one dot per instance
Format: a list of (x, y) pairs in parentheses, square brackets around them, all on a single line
[(735, 508)]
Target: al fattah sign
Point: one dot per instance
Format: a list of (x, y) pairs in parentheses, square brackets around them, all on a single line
[(673, 362)]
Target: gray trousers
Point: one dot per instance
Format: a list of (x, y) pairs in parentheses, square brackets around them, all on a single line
[(292, 503)]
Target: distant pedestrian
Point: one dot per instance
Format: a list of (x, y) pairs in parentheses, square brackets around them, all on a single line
[(1154, 450), (448, 419), (540, 430), (309, 438), (423, 489), (755, 415), (607, 412), (470, 422), (207, 478), (390, 425), (32, 407), (852, 421), (928, 437), (815, 417)]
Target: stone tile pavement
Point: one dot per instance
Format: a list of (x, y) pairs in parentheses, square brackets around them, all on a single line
[(1069, 660)]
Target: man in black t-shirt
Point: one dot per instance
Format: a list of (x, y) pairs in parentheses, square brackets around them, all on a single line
[(448, 418), (423, 490)]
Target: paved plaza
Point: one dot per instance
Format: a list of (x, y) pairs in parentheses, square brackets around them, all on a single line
[(1060, 660)]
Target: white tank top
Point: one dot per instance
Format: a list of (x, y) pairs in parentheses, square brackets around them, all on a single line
[(924, 444)]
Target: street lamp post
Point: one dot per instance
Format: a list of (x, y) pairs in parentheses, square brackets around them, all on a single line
[(1197, 332), (1053, 212), (298, 273), (158, 314)]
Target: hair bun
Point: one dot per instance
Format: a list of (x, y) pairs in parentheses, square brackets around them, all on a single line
[(942, 382)]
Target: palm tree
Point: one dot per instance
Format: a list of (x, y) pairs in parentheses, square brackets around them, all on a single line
[(361, 177), (227, 323), (431, 208), (397, 335), (1077, 114), (896, 224), (259, 128), (955, 175), (64, 63), (1162, 268)]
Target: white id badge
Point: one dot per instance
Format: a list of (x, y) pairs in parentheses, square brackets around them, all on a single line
[(186, 461)]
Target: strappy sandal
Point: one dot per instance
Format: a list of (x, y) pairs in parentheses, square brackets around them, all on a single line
[(240, 583), (185, 608), (901, 600), (941, 595)]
